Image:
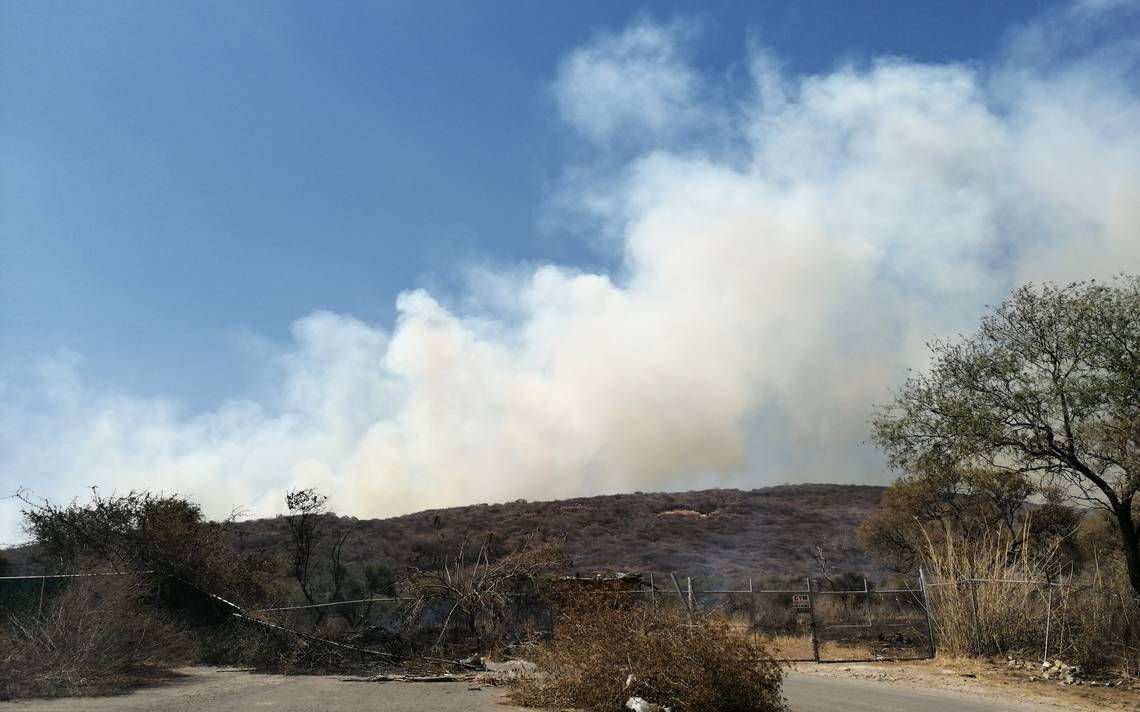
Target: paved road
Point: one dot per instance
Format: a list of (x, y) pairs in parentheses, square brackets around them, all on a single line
[(208, 690), (814, 693)]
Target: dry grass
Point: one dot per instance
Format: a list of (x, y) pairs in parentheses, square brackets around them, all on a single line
[(606, 651), (1093, 619), (94, 637), (795, 648)]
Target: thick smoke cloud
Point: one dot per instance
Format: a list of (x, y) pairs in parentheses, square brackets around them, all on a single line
[(784, 253)]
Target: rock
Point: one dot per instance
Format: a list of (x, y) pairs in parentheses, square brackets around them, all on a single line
[(639, 705), (475, 662)]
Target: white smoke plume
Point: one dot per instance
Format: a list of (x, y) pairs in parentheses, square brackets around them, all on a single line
[(785, 252)]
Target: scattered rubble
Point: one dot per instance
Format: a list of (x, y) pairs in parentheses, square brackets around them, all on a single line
[(1056, 670), (474, 669), (513, 667), (639, 705), (412, 678)]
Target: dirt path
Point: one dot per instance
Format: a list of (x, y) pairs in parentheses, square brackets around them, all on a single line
[(816, 693), (991, 685), (211, 690)]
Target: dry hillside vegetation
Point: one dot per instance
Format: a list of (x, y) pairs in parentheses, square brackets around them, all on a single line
[(710, 533)]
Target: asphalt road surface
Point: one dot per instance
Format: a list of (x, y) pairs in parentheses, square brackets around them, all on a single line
[(209, 690)]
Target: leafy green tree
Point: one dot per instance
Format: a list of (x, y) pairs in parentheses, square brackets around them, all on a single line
[(1048, 388)]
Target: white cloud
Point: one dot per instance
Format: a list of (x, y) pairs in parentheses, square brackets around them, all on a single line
[(765, 299)]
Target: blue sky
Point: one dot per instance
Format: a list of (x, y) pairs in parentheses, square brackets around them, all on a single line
[(421, 254), (177, 176)]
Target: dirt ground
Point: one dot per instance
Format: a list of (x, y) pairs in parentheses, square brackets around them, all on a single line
[(982, 679)]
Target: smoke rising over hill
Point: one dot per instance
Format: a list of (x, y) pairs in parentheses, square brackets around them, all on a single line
[(785, 249)]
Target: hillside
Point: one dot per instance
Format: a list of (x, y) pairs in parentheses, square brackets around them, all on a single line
[(769, 532), (718, 533)]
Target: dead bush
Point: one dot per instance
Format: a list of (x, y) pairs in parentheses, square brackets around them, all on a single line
[(605, 651), (485, 602), (93, 637)]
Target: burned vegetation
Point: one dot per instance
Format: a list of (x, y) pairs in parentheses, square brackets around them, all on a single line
[(173, 589)]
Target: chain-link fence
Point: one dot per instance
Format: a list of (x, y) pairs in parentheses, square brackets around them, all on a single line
[(814, 620)]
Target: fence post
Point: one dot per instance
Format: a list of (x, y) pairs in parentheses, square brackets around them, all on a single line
[(973, 586), (751, 604), (677, 588), (929, 614), (689, 583), (40, 609), (652, 590), (1048, 617), (811, 610), (1061, 590), (867, 603)]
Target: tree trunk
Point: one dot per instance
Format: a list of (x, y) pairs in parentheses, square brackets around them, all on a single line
[(1131, 543)]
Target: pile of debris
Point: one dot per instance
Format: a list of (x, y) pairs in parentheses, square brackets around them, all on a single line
[(1065, 674), (1057, 670), (474, 669)]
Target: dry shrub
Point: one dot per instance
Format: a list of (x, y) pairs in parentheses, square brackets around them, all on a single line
[(604, 652), (93, 637), (141, 531)]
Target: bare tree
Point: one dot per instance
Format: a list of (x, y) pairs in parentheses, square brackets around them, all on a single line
[(309, 525), (306, 528)]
